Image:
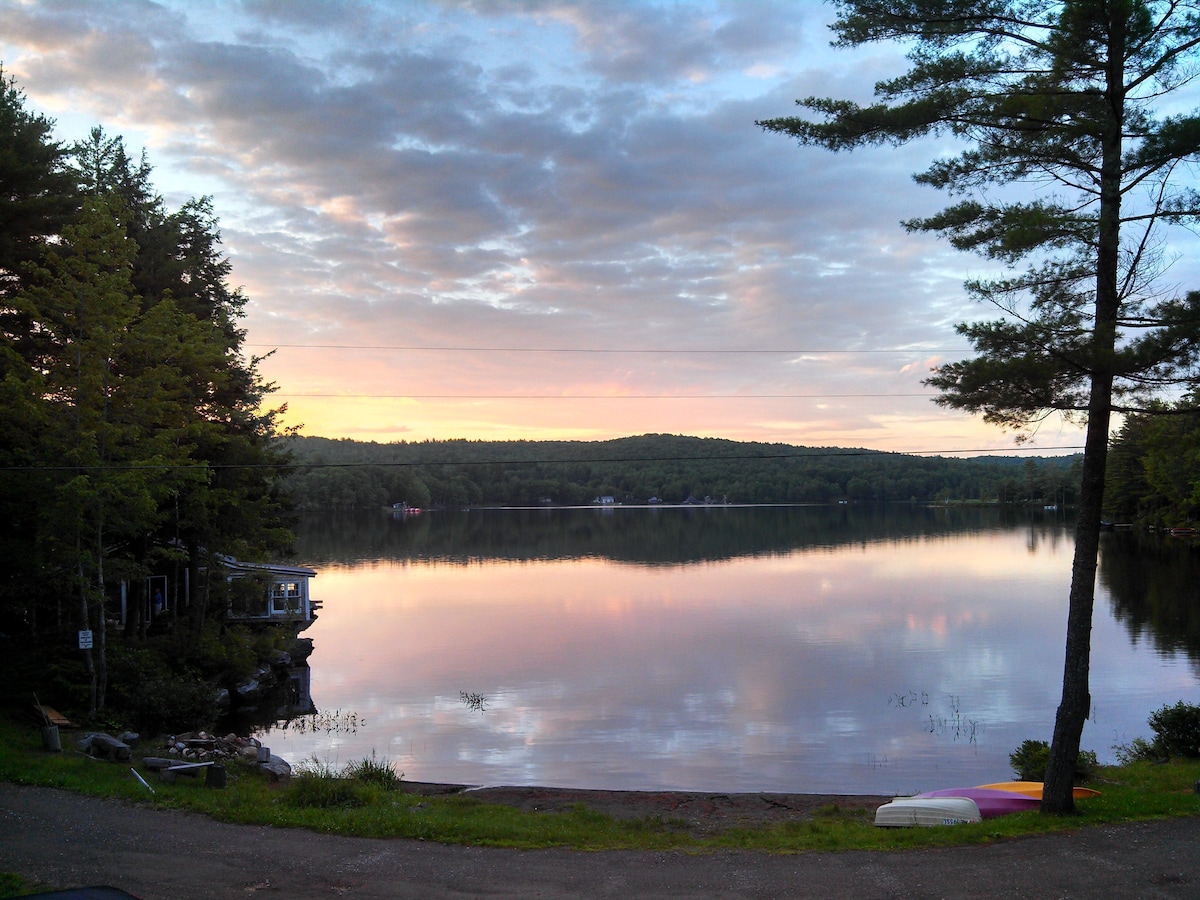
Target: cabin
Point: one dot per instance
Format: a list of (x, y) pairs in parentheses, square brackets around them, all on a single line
[(264, 593), (259, 593)]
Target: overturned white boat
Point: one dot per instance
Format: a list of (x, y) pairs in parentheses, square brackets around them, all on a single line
[(904, 812)]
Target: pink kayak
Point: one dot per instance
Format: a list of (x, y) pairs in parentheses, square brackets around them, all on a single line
[(991, 802)]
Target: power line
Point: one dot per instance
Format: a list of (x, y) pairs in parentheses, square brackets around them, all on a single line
[(286, 393), (641, 350), (738, 457)]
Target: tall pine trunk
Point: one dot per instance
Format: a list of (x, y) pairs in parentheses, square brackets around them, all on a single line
[(1073, 710)]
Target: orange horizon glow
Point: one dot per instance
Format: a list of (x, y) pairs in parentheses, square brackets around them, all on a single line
[(388, 420)]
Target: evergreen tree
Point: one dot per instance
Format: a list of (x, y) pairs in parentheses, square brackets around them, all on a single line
[(107, 412), (37, 197), (132, 424), (1064, 99), (1125, 486), (37, 191), (1154, 468), (237, 508)]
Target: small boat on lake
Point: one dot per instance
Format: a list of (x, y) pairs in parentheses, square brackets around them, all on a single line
[(1034, 789), (905, 812), (990, 801)]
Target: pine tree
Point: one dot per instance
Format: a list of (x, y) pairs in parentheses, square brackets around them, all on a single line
[(1061, 102)]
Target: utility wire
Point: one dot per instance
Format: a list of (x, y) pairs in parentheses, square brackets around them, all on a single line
[(669, 350), (285, 393), (740, 457)]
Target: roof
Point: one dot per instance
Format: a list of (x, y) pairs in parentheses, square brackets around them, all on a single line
[(273, 568)]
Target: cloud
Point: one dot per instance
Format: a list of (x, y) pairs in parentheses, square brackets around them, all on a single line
[(522, 174)]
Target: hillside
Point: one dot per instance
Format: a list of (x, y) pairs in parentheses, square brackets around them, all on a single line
[(347, 474)]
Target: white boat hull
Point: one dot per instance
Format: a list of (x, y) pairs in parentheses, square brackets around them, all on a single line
[(904, 812)]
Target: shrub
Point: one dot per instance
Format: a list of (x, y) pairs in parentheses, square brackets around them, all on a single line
[(1177, 729), (172, 703), (319, 785), (1138, 750), (378, 772), (1029, 762)]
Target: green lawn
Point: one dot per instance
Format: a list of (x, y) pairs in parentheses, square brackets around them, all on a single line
[(362, 807)]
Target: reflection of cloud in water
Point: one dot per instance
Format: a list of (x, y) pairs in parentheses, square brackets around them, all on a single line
[(769, 673)]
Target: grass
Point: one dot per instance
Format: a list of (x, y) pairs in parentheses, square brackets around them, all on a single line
[(364, 800)]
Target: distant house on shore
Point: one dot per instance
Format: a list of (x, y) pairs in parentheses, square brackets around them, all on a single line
[(605, 500)]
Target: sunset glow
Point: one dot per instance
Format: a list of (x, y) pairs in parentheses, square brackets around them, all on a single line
[(444, 235)]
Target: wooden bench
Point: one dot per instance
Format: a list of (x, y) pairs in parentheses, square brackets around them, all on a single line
[(214, 775), (188, 768), (51, 716)]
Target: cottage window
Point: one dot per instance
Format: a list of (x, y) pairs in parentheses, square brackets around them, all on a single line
[(285, 597)]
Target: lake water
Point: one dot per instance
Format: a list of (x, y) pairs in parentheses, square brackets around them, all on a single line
[(839, 649)]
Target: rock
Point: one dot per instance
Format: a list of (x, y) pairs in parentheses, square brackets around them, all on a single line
[(130, 737), (276, 768), (104, 746), (154, 763)]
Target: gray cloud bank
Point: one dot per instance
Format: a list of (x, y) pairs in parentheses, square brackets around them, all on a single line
[(533, 174)]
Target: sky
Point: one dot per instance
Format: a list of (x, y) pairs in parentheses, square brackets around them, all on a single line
[(530, 219)]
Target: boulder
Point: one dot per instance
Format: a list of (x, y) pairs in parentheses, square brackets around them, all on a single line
[(104, 746), (276, 768), (301, 649)]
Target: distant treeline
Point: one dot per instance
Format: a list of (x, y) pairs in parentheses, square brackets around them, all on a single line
[(346, 474)]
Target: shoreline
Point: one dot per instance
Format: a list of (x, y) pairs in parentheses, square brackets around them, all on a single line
[(703, 811)]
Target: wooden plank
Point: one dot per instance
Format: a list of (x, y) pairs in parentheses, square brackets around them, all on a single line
[(53, 716), (188, 767)]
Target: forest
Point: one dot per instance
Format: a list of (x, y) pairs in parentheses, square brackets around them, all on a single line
[(134, 440), (345, 474), (1153, 476)]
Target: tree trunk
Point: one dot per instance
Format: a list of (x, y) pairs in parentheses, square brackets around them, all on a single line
[(135, 611), (1057, 795), (86, 624), (101, 639)]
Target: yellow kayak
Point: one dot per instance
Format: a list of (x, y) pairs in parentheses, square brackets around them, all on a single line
[(1034, 789)]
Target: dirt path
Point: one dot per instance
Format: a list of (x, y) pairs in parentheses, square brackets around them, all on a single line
[(62, 840), (699, 813)]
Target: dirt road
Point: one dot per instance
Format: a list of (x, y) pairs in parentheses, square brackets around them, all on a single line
[(62, 840)]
